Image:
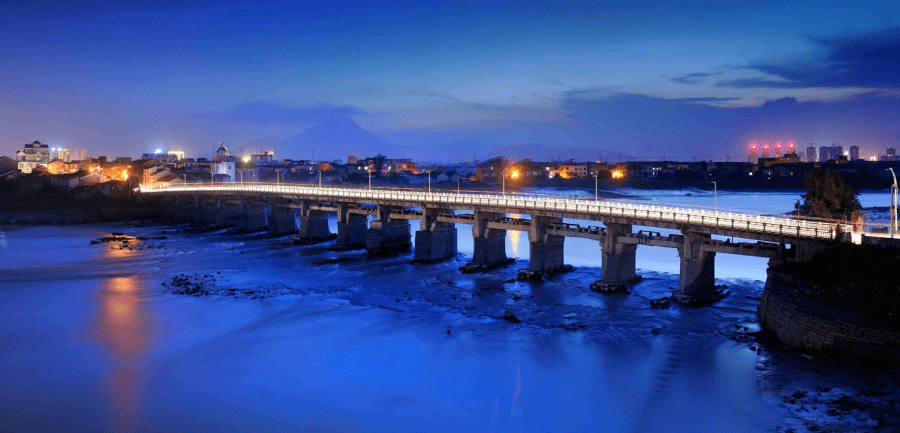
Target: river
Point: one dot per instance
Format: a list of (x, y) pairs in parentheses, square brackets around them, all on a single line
[(94, 339)]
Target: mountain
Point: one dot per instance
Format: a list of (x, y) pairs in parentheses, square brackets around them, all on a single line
[(329, 140)]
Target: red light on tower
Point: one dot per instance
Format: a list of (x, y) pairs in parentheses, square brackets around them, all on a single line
[(753, 147)]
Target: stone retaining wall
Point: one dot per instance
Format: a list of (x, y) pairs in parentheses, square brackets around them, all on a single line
[(797, 327)]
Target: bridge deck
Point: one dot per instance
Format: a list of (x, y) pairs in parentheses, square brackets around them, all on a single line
[(759, 227)]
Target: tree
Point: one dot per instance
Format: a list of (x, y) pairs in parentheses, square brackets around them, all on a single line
[(378, 164), (828, 195)]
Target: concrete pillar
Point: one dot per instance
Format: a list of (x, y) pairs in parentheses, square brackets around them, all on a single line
[(312, 224), (546, 252), (351, 229), (255, 219), (231, 215), (435, 241), (697, 270), (386, 236), (489, 244), (280, 221), (618, 258)]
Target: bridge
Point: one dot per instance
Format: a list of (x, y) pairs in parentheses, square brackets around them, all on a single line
[(304, 210)]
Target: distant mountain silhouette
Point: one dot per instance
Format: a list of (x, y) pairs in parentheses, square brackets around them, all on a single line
[(330, 140)]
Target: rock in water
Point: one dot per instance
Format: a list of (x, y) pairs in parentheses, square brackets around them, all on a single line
[(511, 317)]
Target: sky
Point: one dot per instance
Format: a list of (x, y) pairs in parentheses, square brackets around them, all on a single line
[(450, 80)]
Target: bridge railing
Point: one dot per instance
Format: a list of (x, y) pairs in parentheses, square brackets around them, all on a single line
[(783, 226)]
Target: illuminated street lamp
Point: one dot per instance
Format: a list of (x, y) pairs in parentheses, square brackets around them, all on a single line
[(893, 203)]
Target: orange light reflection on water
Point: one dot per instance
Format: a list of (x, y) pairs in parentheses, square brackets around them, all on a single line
[(124, 328)]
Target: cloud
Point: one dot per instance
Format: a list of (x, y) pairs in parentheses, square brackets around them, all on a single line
[(693, 78), (862, 61), (263, 112)]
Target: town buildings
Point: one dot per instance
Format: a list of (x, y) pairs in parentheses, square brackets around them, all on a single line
[(32, 156)]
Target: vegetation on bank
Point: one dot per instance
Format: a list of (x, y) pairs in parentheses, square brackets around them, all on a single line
[(860, 280), (828, 195)]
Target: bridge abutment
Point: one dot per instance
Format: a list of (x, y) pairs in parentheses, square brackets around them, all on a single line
[(698, 277), (435, 241), (618, 259), (386, 236)]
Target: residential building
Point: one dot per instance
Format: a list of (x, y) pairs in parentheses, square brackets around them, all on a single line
[(32, 156), (854, 153), (891, 154), (811, 154), (827, 153)]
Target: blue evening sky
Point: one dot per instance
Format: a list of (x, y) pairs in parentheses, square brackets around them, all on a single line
[(647, 79)]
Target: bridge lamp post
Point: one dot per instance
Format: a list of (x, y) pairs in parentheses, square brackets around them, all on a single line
[(715, 198), (320, 178), (429, 182), (370, 179), (597, 186), (893, 203)]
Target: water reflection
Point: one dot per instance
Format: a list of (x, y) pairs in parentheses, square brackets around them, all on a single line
[(124, 327)]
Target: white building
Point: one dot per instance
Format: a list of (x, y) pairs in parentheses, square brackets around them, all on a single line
[(33, 155), (224, 164)]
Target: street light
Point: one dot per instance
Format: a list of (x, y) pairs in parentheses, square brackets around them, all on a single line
[(893, 203), (429, 182), (370, 179), (320, 178), (596, 186), (715, 198)]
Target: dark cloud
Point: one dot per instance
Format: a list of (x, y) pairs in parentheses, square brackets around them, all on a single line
[(693, 78), (263, 112), (869, 61)]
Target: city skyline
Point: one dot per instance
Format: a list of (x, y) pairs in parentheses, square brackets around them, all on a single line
[(648, 80)]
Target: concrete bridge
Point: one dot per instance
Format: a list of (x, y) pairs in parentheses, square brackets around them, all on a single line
[(303, 209)]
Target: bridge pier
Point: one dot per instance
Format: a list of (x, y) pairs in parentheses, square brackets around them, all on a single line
[(698, 277), (254, 217), (490, 244), (313, 224), (386, 236), (435, 241), (280, 222), (546, 252), (618, 259), (352, 229)]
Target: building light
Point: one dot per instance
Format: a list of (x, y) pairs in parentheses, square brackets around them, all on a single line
[(617, 174)]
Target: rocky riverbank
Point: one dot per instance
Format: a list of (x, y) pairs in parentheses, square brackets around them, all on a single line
[(843, 302)]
